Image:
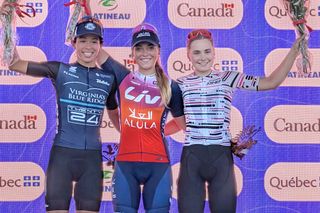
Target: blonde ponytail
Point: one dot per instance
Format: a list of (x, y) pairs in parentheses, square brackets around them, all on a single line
[(164, 85)]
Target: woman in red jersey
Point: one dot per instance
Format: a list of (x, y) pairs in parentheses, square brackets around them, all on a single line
[(145, 96)]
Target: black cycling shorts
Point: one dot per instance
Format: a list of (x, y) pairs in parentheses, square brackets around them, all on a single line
[(213, 165), (67, 165)]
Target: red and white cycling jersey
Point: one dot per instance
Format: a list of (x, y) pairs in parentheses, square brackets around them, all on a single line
[(143, 115)]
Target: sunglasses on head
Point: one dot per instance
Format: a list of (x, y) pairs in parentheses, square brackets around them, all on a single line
[(146, 27), (90, 19), (196, 33)]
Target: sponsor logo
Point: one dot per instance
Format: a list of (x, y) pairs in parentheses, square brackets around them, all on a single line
[(236, 125), (71, 72), (139, 124), (109, 4), (223, 10), (140, 97), (21, 123), (8, 77), (140, 115), (102, 75), (41, 9), (84, 115), (85, 96), (205, 14), (117, 14), (130, 63), (229, 65), (24, 181), (293, 124), (143, 34), (139, 119), (175, 175), (295, 78), (38, 7), (90, 26), (107, 182), (278, 18), (21, 181), (293, 181), (31, 181), (226, 60), (73, 69), (26, 122), (99, 81)]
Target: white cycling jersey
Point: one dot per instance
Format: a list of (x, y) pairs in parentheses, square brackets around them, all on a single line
[(207, 105)]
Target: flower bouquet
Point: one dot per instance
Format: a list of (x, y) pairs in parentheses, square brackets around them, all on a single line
[(8, 27), (298, 12), (243, 141), (81, 8)]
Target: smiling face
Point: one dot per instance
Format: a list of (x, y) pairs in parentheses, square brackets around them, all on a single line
[(201, 54), (146, 55), (87, 48)]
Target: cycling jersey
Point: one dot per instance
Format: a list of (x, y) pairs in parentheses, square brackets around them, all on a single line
[(82, 94), (207, 105), (142, 114)]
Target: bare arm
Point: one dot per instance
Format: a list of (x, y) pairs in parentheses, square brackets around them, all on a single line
[(114, 117), (175, 125), (281, 72)]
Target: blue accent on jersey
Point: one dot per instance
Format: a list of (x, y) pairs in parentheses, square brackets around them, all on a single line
[(81, 104)]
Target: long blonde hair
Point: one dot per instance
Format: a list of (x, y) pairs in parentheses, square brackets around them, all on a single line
[(163, 84)]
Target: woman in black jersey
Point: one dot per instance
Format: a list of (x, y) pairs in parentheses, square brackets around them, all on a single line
[(83, 91)]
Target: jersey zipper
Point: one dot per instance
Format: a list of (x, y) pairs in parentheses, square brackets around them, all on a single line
[(85, 124), (141, 131)]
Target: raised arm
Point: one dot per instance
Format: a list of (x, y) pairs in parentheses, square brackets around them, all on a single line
[(281, 72), (17, 64), (102, 57)]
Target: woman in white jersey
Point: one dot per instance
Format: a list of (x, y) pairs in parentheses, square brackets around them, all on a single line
[(207, 95)]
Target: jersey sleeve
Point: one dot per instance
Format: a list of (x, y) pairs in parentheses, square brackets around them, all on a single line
[(116, 68), (45, 69), (176, 101), (241, 80), (111, 100)]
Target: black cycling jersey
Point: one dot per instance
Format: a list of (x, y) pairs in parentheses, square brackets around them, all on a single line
[(82, 94)]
